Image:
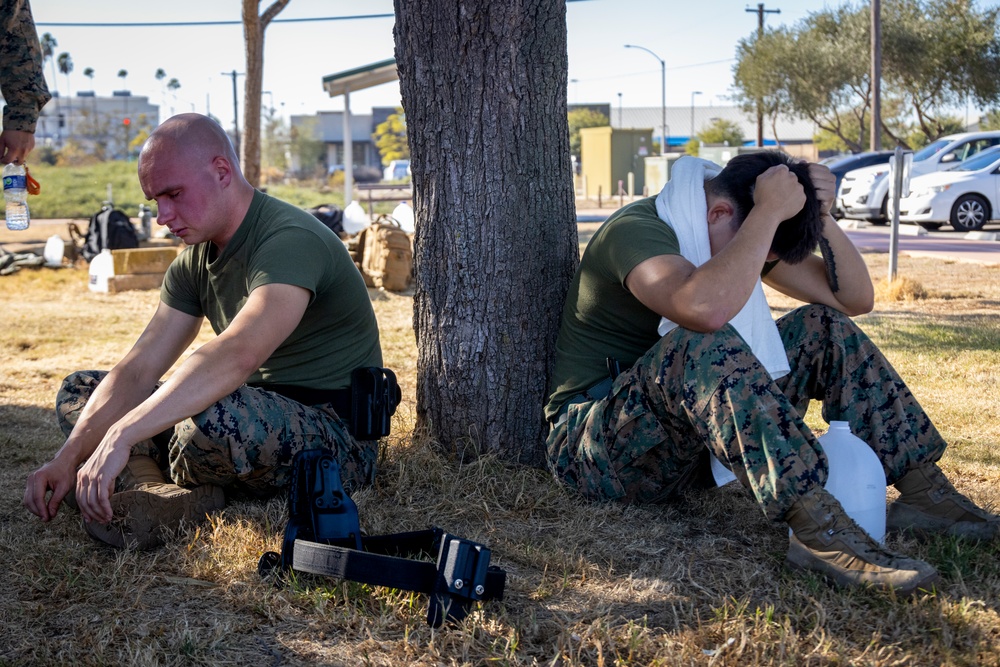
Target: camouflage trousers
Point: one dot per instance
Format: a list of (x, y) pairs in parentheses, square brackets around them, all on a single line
[(646, 441), (245, 442)]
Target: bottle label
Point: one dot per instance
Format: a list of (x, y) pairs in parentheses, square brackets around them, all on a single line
[(14, 182)]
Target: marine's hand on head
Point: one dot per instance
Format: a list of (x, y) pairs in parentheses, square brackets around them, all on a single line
[(778, 194), (826, 186)]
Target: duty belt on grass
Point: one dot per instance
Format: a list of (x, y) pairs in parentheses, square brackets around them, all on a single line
[(323, 536)]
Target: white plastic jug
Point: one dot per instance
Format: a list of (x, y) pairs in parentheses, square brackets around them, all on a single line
[(102, 268), (404, 216), (355, 218), (54, 250), (856, 478)]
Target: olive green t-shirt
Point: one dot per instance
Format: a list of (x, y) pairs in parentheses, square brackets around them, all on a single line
[(278, 243), (601, 318)]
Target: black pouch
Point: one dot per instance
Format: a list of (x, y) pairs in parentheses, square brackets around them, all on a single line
[(374, 397)]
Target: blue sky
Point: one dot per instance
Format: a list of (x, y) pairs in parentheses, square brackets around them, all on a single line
[(697, 40)]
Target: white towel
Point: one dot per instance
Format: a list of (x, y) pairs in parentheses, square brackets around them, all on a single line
[(681, 204)]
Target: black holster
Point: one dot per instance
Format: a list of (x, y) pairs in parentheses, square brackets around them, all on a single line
[(323, 536)]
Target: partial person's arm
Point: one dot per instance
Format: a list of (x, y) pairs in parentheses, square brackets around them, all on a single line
[(21, 83), (839, 277), (705, 298), (214, 371), (165, 338)]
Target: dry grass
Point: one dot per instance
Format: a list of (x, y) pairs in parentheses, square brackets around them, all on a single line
[(699, 582)]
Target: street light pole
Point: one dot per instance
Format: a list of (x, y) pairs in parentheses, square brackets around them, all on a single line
[(693, 93), (663, 96)]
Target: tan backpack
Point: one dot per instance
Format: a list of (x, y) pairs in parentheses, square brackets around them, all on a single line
[(386, 255)]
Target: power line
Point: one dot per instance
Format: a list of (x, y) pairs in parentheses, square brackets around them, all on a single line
[(174, 24)]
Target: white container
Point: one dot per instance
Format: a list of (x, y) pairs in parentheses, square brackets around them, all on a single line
[(403, 214), (355, 218), (54, 250), (102, 268), (856, 478)]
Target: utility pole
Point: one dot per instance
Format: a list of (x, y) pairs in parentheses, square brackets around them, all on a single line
[(760, 11), (236, 114), (876, 133)]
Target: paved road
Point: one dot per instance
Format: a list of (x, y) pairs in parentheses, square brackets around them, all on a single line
[(948, 245)]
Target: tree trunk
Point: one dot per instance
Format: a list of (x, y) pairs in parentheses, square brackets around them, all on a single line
[(253, 35), (484, 90)]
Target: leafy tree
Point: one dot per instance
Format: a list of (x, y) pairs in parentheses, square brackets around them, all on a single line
[(580, 118), (720, 132), (991, 120), (496, 243), (307, 148), (936, 53), (390, 138), (254, 25)]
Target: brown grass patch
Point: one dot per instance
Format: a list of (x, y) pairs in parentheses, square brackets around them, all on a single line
[(697, 582), (899, 289)]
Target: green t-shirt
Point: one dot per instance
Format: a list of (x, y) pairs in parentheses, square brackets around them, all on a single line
[(279, 243), (601, 318)]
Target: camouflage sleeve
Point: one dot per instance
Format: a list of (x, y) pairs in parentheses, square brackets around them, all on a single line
[(21, 80)]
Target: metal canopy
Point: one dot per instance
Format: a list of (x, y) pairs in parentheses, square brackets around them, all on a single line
[(346, 82), (359, 78)]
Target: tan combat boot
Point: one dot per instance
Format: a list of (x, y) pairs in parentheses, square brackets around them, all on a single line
[(928, 503), (828, 541), (150, 506)]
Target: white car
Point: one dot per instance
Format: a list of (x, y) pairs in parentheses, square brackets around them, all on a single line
[(864, 192), (965, 197)]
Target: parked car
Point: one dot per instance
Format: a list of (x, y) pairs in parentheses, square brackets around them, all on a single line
[(842, 164), (864, 192), (965, 197), (397, 170)]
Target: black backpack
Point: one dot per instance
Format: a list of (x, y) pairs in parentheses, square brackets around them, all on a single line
[(331, 216), (109, 228)]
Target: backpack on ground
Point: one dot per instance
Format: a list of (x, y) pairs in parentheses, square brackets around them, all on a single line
[(109, 228), (386, 255), (331, 216)]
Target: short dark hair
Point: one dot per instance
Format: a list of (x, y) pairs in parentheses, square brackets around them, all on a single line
[(797, 237)]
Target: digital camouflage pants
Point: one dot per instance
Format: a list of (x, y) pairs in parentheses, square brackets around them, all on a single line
[(245, 442), (645, 441)]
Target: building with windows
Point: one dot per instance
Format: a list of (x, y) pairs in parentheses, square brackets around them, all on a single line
[(328, 128), (104, 124)]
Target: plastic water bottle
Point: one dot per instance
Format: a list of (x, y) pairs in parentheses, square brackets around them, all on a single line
[(15, 191), (54, 250), (403, 214), (355, 218), (856, 478), (102, 268)]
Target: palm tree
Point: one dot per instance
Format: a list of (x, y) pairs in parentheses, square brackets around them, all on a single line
[(160, 75), (123, 74), (172, 86), (66, 66), (49, 45), (89, 73)]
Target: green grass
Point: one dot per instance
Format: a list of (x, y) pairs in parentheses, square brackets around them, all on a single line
[(78, 192)]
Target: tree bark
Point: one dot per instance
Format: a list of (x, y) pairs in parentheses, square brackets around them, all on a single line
[(253, 35), (484, 89)]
